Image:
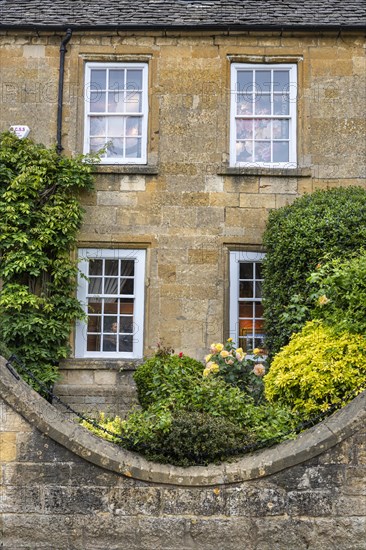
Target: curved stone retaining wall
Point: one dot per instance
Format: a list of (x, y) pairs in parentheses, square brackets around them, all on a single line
[(63, 488)]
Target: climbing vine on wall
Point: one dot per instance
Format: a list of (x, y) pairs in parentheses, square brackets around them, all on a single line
[(40, 215)]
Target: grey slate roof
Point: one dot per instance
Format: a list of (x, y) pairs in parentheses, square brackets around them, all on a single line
[(183, 13)]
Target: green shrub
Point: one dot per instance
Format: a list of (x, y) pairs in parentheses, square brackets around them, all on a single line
[(318, 368), (326, 223), (340, 294), (196, 438), (165, 375)]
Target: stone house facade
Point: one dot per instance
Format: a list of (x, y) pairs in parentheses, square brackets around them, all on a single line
[(211, 114)]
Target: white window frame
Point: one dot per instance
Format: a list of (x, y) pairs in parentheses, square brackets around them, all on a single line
[(237, 257), (292, 116), (143, 114), (139, 256)]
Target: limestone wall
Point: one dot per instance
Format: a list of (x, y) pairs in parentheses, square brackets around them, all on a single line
[(186, 207), (64, 489)]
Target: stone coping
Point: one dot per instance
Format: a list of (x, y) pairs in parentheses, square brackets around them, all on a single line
[(53, 423)]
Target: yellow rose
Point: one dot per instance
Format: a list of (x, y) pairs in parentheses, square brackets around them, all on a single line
[(323, 300), (239, 350), (206, 372), (208, 357), (256, 351), (215, 367), (224, 353), (219, 347), (229, 340)]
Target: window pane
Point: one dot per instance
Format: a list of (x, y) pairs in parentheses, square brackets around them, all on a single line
[(133, 126), (245, 289), (246, 310), (262, 104), (111, 285), (98, 79), (127, 267), (244, 129), (95, 267), (116, 102), (281, 81), (133, 102), (110, 306), (95, 285), (244, 81), (134, 79), (244, 104), (262, 151), (110, 342), (97, 126), (93, 343), (95, 305), (115, 126), (97, 102), (280, 151), (94, 323), (110, 324), (126, 306), (126, 286), (258, 341), (126, 343), (262, 82), (96, 144), (246, 270), (258, 289), (258, 271), (280, 129), (281, 104), (262, 129), (111, 267), (126, 325), (259, 310), (115, 148), (116, 79), (244, 151), (133, 147)]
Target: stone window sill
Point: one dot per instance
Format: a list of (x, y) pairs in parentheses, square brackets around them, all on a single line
[(99, 364), (125, 169), (299, 172)]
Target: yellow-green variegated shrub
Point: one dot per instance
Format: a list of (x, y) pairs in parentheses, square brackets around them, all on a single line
[(316, 369)]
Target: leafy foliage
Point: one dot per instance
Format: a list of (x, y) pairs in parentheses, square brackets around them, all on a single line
[(329, 223), (188, 418), (40, 216), (196, 437), (317, 369), (340, 294), (166, 375)]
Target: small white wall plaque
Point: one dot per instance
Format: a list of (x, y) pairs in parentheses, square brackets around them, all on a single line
[(20, 130)]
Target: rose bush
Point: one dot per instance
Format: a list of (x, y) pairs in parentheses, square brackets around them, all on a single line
[(237, 369)]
